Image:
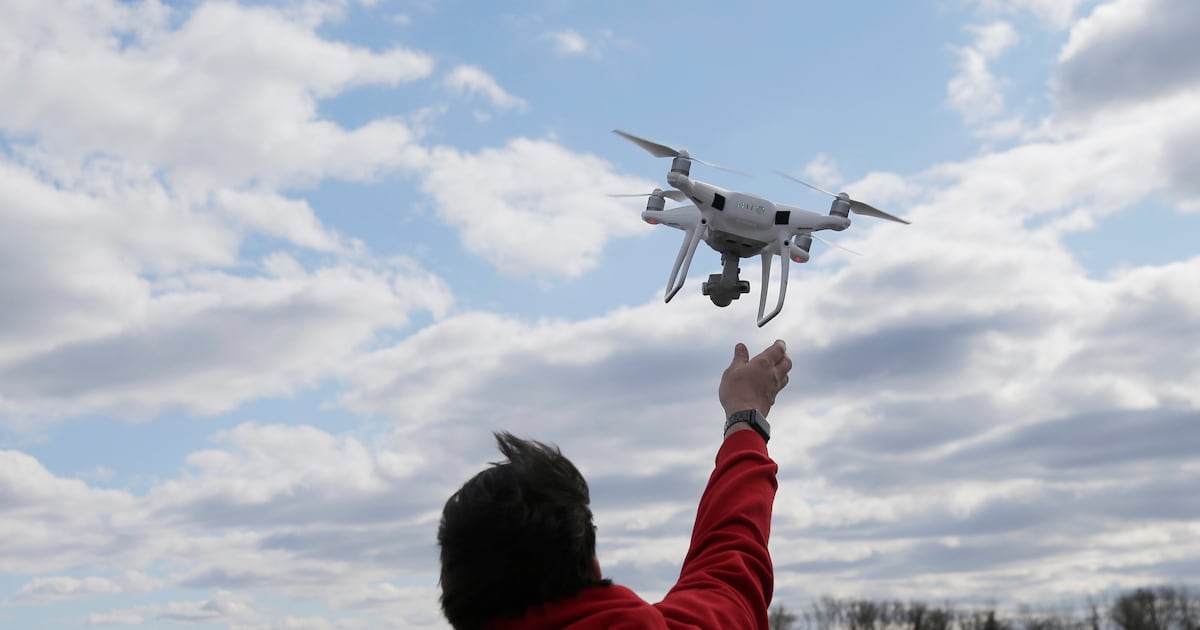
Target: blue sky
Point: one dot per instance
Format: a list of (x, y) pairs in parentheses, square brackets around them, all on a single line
[(274, 272)]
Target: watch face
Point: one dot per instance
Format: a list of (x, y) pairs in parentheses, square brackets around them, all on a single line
[(763, 424), (753, 418)]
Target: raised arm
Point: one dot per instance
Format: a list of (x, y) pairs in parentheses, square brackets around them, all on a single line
[(727, 577)]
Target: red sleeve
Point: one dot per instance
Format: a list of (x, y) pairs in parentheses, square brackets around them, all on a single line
[(727, 578)]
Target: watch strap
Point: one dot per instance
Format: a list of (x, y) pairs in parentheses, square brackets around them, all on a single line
[(753, 418)]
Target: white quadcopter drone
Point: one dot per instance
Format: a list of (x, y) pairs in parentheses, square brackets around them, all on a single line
[(738, 225)]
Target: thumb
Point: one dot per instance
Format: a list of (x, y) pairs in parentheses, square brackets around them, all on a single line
[(741, 355)]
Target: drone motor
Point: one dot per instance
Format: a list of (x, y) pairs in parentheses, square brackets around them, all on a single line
[(840, 206), (656, 201), (682, 164), (800, 247)]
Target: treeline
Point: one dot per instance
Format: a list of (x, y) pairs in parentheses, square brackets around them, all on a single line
[(1159, 608)]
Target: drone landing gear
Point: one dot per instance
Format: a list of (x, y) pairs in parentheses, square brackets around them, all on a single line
[(723, 288)]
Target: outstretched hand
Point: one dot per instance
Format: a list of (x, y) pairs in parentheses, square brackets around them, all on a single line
[(753, 383)]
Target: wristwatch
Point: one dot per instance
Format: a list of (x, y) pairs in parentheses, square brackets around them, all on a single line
[(753, 418)]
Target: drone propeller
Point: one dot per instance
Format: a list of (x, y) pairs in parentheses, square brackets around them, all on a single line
[(674, 195), (662, 150), (831, 244), (856, 207)]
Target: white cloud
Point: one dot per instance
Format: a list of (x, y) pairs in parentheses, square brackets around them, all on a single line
[(567, 42), (208, 341), (975, 92), (224, 606), (471, 80), (1128, 51), (822, 171), (532, 206), (1057, 14), (143, 252), (115, 618), (128, 209), (282, 462), (305, 623), (52, 523), (228, 96), (272, 214), (62, 587), (240, 515), (886, 190)]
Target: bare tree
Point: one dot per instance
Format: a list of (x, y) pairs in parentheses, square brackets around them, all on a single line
[(1169, 607), (982, 620), (1137, 611), (916, 615), (1190, 610), (1161, 608), (939, 618), (1095, 621), (864, 614), (780, 619), (827, 613)]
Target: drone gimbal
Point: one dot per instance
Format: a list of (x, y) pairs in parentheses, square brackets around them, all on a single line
[(725, 287)]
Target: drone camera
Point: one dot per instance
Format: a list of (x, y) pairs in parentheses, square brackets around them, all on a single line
[(723, 294), (722, 299)]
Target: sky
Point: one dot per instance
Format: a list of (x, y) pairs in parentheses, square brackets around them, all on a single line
[(271, 274)]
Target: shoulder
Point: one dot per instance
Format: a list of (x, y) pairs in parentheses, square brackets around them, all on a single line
[(594, 608)]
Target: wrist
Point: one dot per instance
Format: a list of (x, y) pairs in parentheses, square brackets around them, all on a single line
[(750, 418), (741, 426), (744, 405)]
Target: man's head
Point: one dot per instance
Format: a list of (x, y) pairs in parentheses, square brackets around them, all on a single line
[(517, 534)]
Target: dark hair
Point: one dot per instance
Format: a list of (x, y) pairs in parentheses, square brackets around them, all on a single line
[(517, 534)]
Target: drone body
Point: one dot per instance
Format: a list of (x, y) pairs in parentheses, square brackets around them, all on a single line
[(738, 225)]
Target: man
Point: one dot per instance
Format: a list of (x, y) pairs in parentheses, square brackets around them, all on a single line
[(518, 546)]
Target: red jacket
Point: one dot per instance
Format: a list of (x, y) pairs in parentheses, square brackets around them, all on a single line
[(727, 578)]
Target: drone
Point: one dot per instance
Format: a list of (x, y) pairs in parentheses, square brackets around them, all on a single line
[(738, 225)]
